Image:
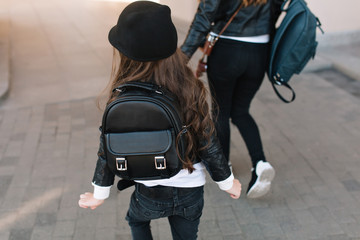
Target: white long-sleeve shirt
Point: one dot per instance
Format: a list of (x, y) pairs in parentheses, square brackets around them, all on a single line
[(254, 39), (183, 179)]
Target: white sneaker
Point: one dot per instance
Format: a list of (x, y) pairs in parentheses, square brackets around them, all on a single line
[(260, 180)]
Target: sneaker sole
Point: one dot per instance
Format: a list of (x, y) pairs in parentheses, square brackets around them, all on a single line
[(266, 174)]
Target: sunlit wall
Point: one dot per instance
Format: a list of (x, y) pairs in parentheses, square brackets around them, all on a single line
[(336, 16)]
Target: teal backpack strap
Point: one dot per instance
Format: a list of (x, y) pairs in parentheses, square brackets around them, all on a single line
[(280, 96)]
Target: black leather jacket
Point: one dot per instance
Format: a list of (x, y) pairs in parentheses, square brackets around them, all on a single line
[(212, 15), (212, 157)]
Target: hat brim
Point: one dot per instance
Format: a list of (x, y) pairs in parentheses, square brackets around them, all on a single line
[(112, 36), (113, 39)]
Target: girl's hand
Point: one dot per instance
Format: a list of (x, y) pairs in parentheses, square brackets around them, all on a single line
[(87, 200), (235, 190)]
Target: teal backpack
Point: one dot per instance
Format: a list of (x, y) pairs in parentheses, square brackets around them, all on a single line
[(293, 45)]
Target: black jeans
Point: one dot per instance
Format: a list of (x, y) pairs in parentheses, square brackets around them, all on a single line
[(235, 72), (182, 206)]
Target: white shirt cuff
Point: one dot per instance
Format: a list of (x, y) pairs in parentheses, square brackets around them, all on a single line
[(227, 183), (101, 192)]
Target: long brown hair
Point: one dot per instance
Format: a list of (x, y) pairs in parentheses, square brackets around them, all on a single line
[(173, 74), (246, 3)]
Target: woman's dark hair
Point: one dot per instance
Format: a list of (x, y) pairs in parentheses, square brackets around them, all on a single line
[(173, 74), (253, 2)]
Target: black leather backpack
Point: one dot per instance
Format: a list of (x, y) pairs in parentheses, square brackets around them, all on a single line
[(140, 129)]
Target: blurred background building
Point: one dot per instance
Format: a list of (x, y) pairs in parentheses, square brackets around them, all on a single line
[(340, 19)]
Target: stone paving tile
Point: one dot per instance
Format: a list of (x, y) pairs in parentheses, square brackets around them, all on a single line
[(351, 185), (209, 228), (62, 238), (352, 229), (224, 213), (105, 233), (13, 198), (229, 227), (17, 234), (84, 233), (339, 237), (214, 237), (64, 229), (42, 232), (45, 219), (271, 230), (277, 238), (4, 235), (26, 221), (305, 216), (65, 214), (252, 231), (4, 184)]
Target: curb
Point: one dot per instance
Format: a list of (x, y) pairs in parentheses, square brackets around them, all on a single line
[(345, 63), (4, 58), (335, 39), (318, 63), (330, 55)]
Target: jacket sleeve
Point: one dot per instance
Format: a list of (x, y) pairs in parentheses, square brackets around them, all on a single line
[(214, 160), (200, 26), (103, 176)]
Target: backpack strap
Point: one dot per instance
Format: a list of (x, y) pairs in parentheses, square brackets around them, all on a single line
[(142, 85), (280, 96), (123, 184), (283, 5), (146, 86)]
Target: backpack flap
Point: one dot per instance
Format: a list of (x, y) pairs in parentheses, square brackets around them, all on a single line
[(142, 155)]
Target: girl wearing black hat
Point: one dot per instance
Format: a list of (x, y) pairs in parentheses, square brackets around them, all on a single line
[(146, 40)]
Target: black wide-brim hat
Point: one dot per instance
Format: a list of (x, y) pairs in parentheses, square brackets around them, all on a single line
[(145, 32)]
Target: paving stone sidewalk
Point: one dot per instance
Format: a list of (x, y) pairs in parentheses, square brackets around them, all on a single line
[(48, 155), (49, 138)]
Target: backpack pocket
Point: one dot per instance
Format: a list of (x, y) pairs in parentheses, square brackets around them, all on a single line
[(142, 155)]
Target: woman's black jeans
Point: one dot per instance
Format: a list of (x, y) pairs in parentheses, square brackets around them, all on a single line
[(235, 72), (182, 206)]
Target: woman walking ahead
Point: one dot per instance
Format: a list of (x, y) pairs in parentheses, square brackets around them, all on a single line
[(146, 41), (236, 69)]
